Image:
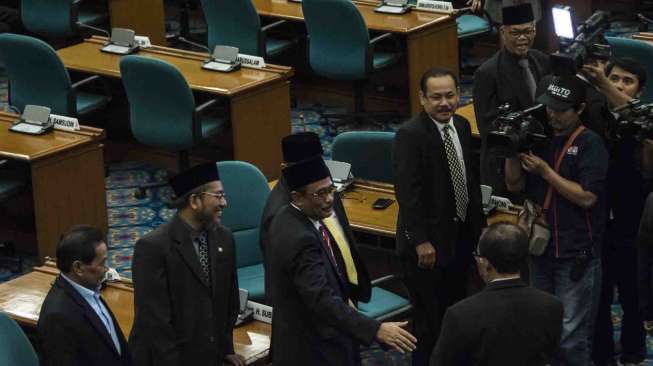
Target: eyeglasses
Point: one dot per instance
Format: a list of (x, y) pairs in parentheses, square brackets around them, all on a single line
[(324, 192), (219, 195), (516, 33)]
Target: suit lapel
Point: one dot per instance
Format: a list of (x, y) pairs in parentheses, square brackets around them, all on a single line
[(89, 313), (184, 245), (216, 252)]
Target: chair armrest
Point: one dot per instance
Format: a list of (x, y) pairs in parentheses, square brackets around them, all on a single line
[(385, 36), (273, 25), (384, 279), (380, 38), (202, 107), (88, 80)]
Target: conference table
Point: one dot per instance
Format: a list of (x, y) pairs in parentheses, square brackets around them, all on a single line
[(22, 297), (67, 172), (258, 99), (430, 38)]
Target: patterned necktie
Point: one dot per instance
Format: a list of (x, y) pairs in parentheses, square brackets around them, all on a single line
[(352, 274), (457, 176), (203, 253), (528, 76), (327, 242)]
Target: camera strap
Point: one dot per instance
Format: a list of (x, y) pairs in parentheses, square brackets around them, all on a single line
[(570, 140)]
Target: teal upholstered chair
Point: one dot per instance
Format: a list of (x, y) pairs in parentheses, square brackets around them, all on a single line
[(162, 107), (37, 76), (384, 304), (236, 23), (470, 25), (57, 18), (15, 348), (368, 152), (638, 50), (340, 47), (247, 190)]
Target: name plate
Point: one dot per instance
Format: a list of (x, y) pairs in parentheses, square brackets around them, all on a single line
[(143, 41), (435, 6), (64, 123), (260, 312), (500, 202), (253, 62)]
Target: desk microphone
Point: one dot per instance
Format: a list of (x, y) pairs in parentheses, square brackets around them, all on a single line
[(99, 30), (644, 19), (198, 45)]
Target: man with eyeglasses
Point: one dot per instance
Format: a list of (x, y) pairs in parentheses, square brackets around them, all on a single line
[(508, 323), (510, 76), (313, 323), (185, 285)]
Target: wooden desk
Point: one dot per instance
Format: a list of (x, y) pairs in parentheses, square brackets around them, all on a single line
[(431, 39), (21, 298), (146, 17), (67, 171), (358, 204), (259, 100), (467, 111)]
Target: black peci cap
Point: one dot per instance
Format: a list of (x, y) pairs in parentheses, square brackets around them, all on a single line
[(305, 172), (518, 14), (194, 177), (301, 146)]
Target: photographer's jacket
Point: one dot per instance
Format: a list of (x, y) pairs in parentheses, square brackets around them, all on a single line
[(586, 162)]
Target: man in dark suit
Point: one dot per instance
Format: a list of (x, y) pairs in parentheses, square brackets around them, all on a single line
[(439, 198), (185, 285), (313, 323), (76, 327), (296, 148), (508, 323), (510, 76)]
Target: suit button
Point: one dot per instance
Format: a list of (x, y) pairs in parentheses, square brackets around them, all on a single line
[(455, 219), (211, 339)]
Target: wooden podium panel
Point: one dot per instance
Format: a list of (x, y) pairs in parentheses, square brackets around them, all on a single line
[(146, 17), (67, 171)]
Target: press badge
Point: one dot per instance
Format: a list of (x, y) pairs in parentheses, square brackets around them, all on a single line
[(572, 150)]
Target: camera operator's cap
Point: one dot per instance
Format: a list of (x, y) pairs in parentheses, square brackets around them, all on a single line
[(305, 172), (517, 14), (301, 146), (194, 177), (563, 93)]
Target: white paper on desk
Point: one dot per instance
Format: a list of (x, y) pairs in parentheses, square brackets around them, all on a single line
[(27, 128), (114, 48), (390, 9)]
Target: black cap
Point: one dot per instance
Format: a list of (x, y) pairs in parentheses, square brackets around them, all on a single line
[(518, 14), (305, 172), (301, 146), (194, 177), (563, 93)]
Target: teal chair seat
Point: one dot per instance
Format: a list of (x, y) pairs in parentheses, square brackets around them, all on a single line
[(383, 304), (15, 348), (382, 60), (252, 279), (471, 25), (368, 152), (88, 102), (212, 125), (275, 46)]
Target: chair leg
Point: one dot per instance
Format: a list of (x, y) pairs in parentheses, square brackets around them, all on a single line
[(184, 161)]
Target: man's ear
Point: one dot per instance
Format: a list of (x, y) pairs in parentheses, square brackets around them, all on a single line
[(295, 198), (581, 108)]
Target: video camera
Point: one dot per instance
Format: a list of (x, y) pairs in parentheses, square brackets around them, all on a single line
[(581, 44), (516, 132), (635, 119)]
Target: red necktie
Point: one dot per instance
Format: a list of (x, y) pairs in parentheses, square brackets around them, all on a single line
[(327, 241)]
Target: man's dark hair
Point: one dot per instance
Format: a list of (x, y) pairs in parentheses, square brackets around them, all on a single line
[(78, 244), (632, 66), (505, 245), (436, 72)]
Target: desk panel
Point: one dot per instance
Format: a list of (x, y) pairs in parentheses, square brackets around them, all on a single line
[(146, 17)]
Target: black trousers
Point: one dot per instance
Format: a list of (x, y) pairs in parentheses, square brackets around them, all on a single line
[(432, 291), (619, 261)]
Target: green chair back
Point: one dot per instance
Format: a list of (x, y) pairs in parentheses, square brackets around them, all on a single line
[(36, 74), (15, 348), (368, 152), (247, 190), (161, 104), (233, 23), (638, 50), (52, 18), (338, 39)]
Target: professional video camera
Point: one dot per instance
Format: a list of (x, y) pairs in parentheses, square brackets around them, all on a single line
[(635, 119), (516, 132), (576, 47)]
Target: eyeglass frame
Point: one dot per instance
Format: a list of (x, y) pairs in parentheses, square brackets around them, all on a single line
[(515, 33), (323, 193), (222, 195)]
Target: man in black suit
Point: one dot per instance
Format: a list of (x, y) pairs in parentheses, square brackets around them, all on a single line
[(510, 76), (508, 323), (185, 285), (76, 327), (296, 148), (313, 323), (439, 198)]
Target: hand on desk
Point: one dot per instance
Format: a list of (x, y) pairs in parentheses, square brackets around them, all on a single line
[(425, 255), (234, 359), (394, 335)]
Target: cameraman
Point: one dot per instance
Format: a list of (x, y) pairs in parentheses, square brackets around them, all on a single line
[(627, 191), (569, 266)]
